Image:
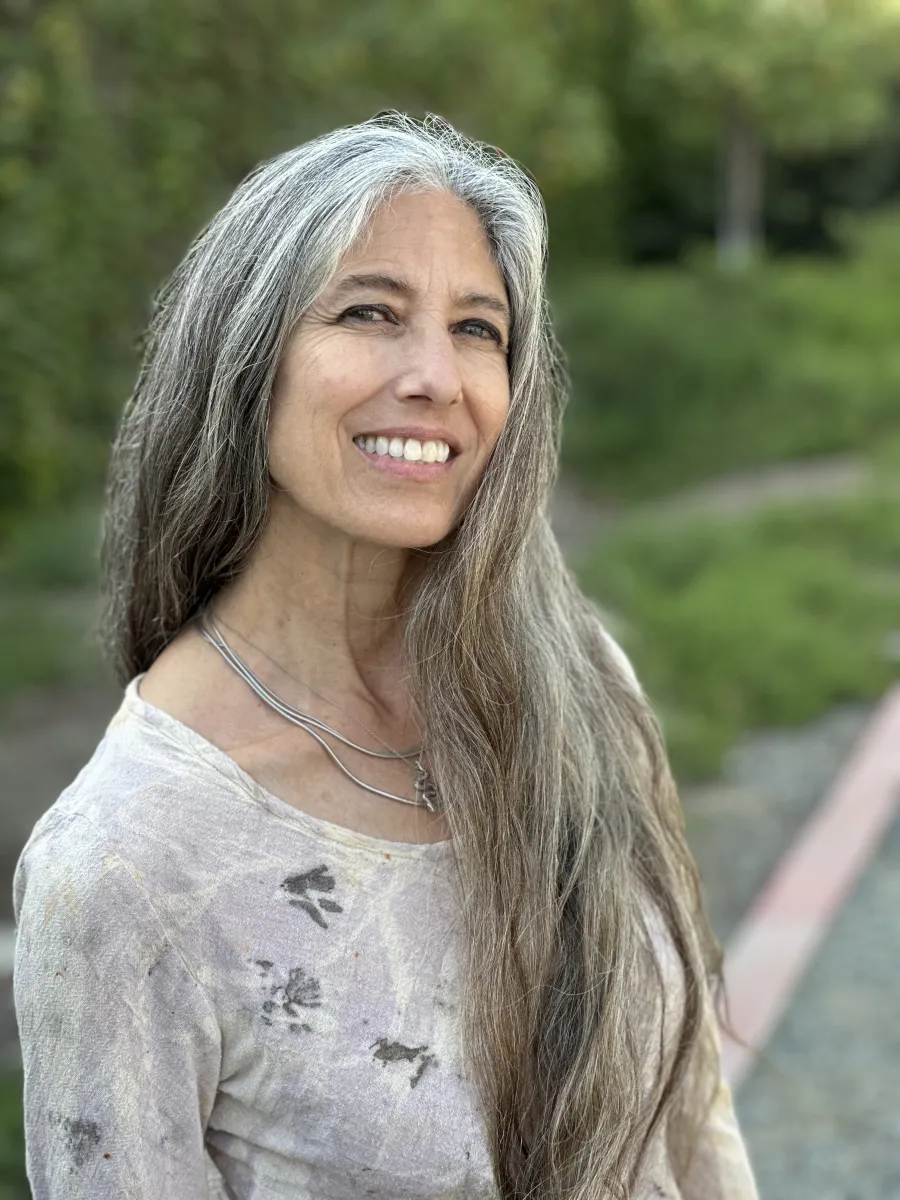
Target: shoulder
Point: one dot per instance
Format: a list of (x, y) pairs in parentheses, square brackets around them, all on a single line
[(69, 883), (136, 780), (137, 815), (190, 682), (87, 925), (621, 658)]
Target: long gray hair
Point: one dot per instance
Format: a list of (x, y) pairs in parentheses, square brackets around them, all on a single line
[(568, 831)]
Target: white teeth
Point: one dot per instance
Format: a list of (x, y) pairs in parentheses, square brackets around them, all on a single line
[(410, 449)]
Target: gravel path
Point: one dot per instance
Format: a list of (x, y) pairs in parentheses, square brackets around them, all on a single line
[(822, 1116), (740, 826)]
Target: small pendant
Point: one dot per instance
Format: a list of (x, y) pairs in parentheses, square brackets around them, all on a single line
[(425, 787)]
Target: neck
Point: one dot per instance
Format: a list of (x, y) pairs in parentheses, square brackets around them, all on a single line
[(326, 609)]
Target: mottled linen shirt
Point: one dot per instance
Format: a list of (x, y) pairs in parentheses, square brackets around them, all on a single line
[(220, 997)]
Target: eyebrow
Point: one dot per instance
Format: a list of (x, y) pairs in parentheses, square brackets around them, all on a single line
[(391, 283)]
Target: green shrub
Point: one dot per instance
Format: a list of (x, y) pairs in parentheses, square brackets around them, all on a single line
[(49, 599), (765, 621), (53, 549), (45, 638), (684, 374), (13, 1180)]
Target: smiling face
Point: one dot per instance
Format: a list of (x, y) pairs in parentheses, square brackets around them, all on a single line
[(406, 346)]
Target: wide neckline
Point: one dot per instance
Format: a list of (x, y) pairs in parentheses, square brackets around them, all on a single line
[(162, 722)]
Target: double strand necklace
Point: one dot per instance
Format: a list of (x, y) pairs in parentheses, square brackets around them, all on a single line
[(426, 791)]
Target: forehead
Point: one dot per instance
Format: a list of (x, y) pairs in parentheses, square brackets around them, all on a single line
[(426, 231)]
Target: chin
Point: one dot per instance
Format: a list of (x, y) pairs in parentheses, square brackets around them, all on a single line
[(382, 529), (404, 529), (411, 539)]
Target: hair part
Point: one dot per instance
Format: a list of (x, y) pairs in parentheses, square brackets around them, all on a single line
[(580, 897)]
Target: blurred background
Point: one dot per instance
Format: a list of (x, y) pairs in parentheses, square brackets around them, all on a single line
[(723, 185)]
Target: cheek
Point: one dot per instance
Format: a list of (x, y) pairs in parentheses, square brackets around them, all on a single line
[(494, 410), (312, 394)]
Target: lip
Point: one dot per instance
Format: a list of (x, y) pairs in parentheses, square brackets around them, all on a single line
[(419, 432), (427, 472)]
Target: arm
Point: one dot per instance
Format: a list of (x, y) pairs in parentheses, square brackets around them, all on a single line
[(120, 1047)]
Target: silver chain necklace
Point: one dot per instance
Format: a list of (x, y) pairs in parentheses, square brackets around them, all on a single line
[(424, 784)]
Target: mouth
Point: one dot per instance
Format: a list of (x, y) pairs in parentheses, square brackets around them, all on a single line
[(412, 445), (407, 458)]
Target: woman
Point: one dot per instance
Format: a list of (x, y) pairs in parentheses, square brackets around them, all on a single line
[(377, 882)]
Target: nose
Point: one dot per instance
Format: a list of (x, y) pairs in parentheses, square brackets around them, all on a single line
[(431, 368)]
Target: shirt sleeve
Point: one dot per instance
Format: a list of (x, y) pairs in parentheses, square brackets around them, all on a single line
[(719, 1168), (121, 1049), (622, 660), (714, 1164)]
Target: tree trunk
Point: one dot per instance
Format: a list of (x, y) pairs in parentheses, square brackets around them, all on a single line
[(740, 226)]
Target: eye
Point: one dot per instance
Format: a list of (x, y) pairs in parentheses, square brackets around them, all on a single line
[(367, 314), (483, 330)]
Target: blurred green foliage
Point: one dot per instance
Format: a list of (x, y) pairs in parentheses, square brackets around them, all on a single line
[(53, 550), (124, 126), (46, 638), (808, 74), (13, 1180), (690, 372), (49, 572), (763, 620)]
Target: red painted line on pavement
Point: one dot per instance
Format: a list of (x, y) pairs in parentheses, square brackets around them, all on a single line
[(771, 949)]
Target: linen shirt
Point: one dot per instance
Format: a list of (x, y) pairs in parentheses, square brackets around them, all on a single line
[(221, 997)]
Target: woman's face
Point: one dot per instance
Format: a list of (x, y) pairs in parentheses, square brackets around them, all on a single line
[(407, 346)]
